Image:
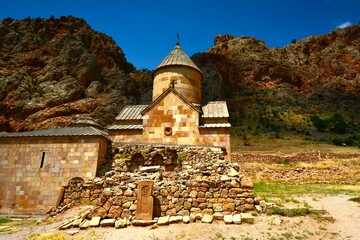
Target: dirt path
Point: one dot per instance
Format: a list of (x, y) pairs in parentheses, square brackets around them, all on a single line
[(345, 213)]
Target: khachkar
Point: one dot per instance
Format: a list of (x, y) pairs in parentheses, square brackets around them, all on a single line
[(145, 202)]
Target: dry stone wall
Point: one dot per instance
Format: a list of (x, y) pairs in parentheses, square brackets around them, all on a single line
[(199, 182)]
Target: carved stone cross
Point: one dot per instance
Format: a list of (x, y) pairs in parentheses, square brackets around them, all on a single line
[(145, 202)]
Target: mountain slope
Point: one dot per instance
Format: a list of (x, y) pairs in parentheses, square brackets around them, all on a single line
[(55, 70), (274, 87)]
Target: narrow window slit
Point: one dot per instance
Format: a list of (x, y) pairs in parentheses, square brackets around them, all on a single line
[(42, 159)]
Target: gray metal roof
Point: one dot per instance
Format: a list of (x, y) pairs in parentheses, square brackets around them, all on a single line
[(125, 127), (215, 125), (89, 121), (216, 109), (86, 121), (131, 112), (58, 132), (177, 57)]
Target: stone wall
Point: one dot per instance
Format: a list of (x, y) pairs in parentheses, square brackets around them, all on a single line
[(34, 169), (201, 183)]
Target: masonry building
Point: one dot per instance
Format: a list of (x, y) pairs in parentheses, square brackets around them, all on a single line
[(175, 115), (35, 165)]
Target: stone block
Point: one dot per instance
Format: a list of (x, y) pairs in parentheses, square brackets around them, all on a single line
[(218, 207), (107, 222), (85, 224), (232, 172), (121, 223), (224, 178), (207, 218), (218, 216), (175, 219), (186, 219), (77, 222), (163, 220), (246, 182), (237, 219), (94, 222), (143, 223), (247, 218), (228, 219)]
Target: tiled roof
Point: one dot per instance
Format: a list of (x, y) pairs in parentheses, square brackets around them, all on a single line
[(215, 125), (58, 132), (131, 112), (216, 109), (125, 127), (177, 57)]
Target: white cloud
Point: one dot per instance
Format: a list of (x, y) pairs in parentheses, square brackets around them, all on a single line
[(345, 24)]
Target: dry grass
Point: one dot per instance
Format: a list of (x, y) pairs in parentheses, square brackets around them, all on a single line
[(288, 144)]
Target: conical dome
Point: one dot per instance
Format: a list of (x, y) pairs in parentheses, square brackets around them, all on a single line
[(177, 57)]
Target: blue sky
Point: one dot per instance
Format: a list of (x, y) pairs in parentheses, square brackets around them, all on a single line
[(146, 30)]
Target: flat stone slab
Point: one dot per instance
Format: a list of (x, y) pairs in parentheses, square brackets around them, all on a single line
[(232, 172), (85, 224), (186, 219), (94, 222), (150, 169), (73, 232), (247, 218), (207, 218), (163, 220), (228, 219), (66, 225), (121, 223), (107, 222), (77, 222), (143, 223), (175, 219), (218, 216), (237, 219), (224, 178)]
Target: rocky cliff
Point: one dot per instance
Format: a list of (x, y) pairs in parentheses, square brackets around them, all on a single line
[(53, 71), (283, 86)]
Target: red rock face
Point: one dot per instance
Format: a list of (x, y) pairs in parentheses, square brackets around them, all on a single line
[(53, 71), (314, 75)]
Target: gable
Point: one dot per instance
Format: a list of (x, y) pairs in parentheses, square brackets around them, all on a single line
[(164, 95)]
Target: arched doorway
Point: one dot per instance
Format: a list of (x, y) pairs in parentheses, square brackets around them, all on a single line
[(157, 159), (137, 161)]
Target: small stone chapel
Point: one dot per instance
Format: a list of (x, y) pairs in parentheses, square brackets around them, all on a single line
[(175, 115)]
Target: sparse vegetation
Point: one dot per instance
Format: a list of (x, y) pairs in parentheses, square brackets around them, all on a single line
[(355, 199), (293, 212)]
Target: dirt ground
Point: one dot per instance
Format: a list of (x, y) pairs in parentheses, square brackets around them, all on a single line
[(345, 213)]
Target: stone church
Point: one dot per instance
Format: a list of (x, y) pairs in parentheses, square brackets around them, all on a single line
[(175, 115), (36, 165)]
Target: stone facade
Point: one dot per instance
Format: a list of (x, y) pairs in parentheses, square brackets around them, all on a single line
[(170, 120), (175, 115), (34, 169), (187, 81)]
